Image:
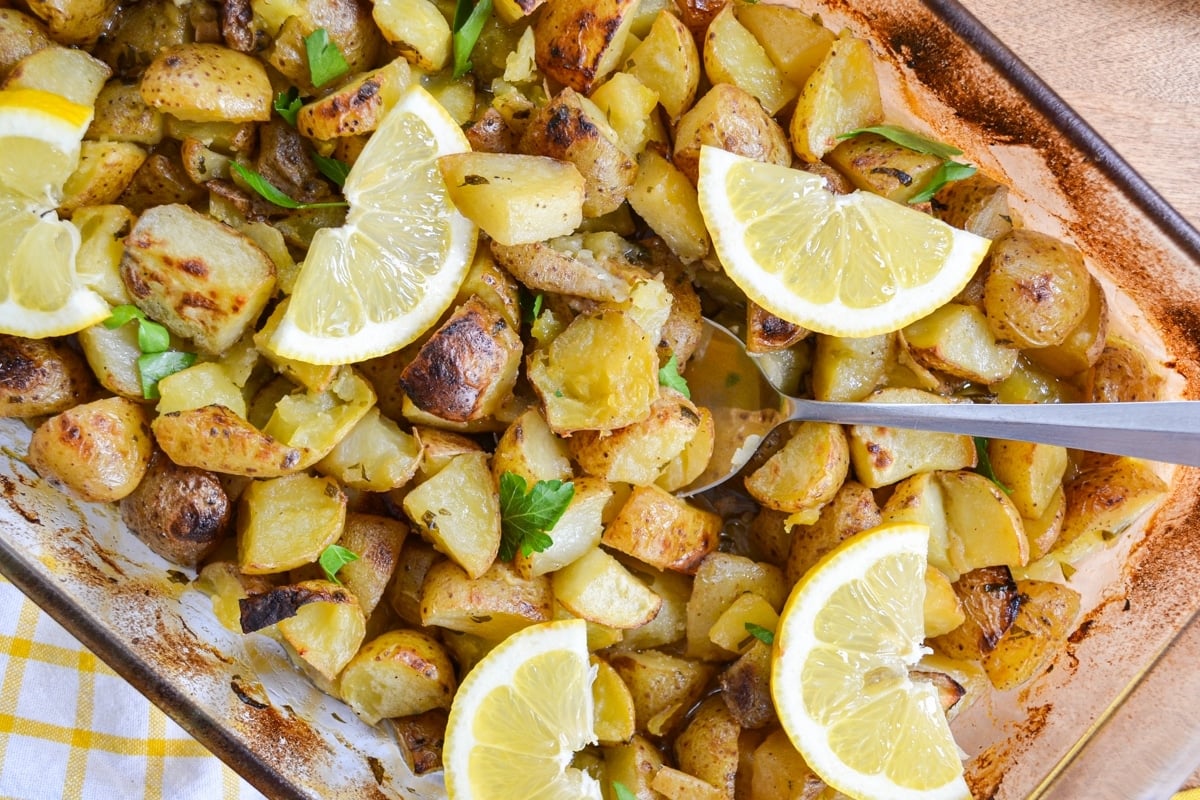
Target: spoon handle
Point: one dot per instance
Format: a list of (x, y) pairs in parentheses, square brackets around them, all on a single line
[(1158, 431)]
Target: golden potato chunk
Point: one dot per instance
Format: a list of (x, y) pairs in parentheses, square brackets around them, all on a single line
[(284, 523), (496, 604), (885, 455), (663, 530), (206, 83), (467, 529), (957, 340), (1039, 631), (217, 439), (638, 453), (99, 450), (733, 55), (580, 41), (1037, 289), (730, 118), (708, 747), (398, 674), (40, 376), (597, 588), (664, 687), (721, 579), (794, 41), (667, 61), (805, 474), (841, 95)]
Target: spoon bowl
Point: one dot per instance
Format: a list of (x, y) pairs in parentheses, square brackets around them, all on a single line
[(745, 406)]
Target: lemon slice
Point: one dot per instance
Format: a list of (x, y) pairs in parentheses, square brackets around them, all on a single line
[(40, 293), (850, 631), (40, 134), (519, 717), (847, 265), (383, 278)]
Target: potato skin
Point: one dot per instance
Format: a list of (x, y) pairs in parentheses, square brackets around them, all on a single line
[(1037, 289), (40, 376), (20, 35), (206, 83), (99, 450), (181, 513), (579, 41), (731, 119)]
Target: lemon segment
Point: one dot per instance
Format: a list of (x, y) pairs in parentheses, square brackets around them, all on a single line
[(40, 293), (519, 717), (383, 278), (847, 265), (40, 135), (850, 631)]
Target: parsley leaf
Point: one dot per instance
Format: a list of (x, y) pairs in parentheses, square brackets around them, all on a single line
[(122, 314), (531, 306), (325, 60), (985, 463), (668, 375), (468, 24), (273, 195), (949, 171), (527, 515), (331, 168), (287, 105), (153, 367), (334, 558), (764, 635), (622, 792)]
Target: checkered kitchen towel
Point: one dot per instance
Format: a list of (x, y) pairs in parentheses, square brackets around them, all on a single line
[(72, 728)]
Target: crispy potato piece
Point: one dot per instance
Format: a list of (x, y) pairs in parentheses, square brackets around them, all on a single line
[(957, 339), (217, 439), (720, 580), (730, 630), (638, 453), (284, 523), (467, 530), (676, 784), (600, 373), (767, 333), (1037, 289), (1104, 501), (377, 541), (491, 133), (708, 747), (746, 687), (662, 530), (664, 197), (882, 455), (416, 30), (597, 588), (629, 106), (315, 422), (1122, 373), (516, 199), (664, 687), (667, 62), (841, 94), (181, 513), (20, 36), (614, 714), (572, 128), (496, 604), (851, 510), (580, 41), (420, 738), (206, 82), (733, 55), (1032, 472), (990, 601), (398, 674), (1084, 344), (805, 474), (320, 622), (204, 384), (467, 367), (40, 376), (595, 266), (203, 280), (876, 164), (357, 106), (1039, 631), (984, 526), (123, 116), (730, 118), (99, 450), (669, 625), (530, 449)]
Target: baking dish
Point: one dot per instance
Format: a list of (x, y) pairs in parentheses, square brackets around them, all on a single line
[(942, 71)]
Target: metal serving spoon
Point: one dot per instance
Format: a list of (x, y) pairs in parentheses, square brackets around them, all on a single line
[(727, 380)]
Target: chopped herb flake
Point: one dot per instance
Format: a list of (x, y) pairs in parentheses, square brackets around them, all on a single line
[(333, 558)]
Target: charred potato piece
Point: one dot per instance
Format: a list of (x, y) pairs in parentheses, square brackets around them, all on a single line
[(991, 601), (420, 738), (1037, 289), (356, 107), (746, 687), (217, 439), (467, 367), (181, 513), (572, 128), (767, 333), (730, 118), (98, 450), (319, 621), (161, 180), (662, 530), (1038, 632), (592, 266), (40, 376), (203, 280), (881, 455), (580, 41)]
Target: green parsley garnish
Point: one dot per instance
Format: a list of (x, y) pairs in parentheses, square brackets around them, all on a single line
[(527, 515), (154, 340), (469, 19), (949, 171), (333, 558), (325, 60), (985, 463), (622, 792), (531, 306), (331, 168), (273, 195), (287, 105), (668, 375), (764, 635)]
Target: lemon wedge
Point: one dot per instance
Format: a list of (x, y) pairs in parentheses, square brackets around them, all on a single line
[(519, 717), (383, 278), (850, 631), (847, 265), (40, 135)]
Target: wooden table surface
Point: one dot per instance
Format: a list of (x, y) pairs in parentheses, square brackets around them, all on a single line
[(1131, 68)]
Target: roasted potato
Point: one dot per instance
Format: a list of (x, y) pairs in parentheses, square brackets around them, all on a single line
[(469, 529), (852, 509), (284, 523), (320, 622), (1037, 289), (721, 579), (99, 450), (20, 35), (215, 438), (841, 95), (666, 200), (399, 674), (730, 118), (1122, 373), (206, 82), (664, 687), (40, 376), (882, 455), (734, 56), (357, 106), (805, 473), (956, 339), (597, 588), (708, 747), (181, 513), (579, 43), (494, 605), (667, 62), (794, 40), (662, 530)]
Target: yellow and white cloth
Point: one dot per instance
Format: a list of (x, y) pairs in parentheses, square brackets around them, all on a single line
[(72, 728)]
